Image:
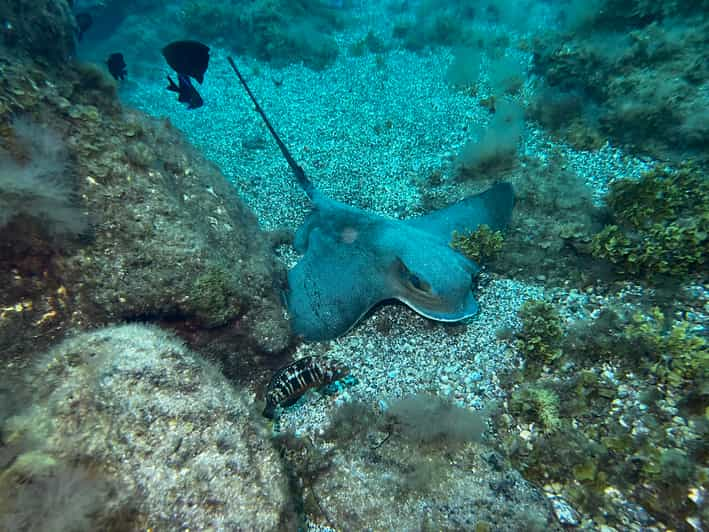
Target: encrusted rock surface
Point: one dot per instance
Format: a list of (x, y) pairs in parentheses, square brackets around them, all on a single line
[(138, 408)]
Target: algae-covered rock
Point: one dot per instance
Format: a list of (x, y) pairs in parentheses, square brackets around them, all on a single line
[(157, 232), (419, 466), (641, 69), (132, 404), (42, 28)]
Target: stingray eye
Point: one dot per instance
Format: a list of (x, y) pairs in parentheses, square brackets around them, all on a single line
[(418, 283)]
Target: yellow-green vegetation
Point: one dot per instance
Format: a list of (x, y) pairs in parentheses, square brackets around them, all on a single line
[(661, 223), (537, 404), (679, 358), (626, 413), (479, 245), (541, 333)]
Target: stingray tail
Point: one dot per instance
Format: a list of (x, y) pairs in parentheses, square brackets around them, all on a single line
[(303, 180)]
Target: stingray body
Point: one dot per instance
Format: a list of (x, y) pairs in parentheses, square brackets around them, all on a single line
[(354, 259)]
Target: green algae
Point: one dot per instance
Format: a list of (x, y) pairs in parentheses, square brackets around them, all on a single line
[(681, 358), (538, 404), (622, 419), (660, 224), (479, 245), (541, 332)]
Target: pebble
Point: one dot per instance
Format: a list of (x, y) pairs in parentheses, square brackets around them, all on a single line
[(564, 512)]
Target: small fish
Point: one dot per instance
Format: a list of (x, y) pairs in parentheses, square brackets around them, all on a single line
[(291, 382), (117, 66), (84, 22), (189, 58), (186, 91)]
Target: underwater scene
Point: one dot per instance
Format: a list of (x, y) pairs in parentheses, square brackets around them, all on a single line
[(351, 265)]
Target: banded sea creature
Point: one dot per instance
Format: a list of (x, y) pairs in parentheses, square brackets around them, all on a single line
[(289, 384)]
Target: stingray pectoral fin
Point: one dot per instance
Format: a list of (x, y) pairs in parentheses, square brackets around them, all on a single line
[(331, 288), (492, 208), (468, 309)]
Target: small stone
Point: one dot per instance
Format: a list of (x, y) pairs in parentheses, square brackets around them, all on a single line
[(563, 511)]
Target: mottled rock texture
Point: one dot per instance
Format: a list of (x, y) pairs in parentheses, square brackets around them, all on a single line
[(146, 228), (129, 410), (46, 29)]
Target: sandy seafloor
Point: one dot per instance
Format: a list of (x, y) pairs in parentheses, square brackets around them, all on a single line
[(336, 124)]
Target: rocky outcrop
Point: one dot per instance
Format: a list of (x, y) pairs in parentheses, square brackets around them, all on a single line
[(133, 431), (148, 229)]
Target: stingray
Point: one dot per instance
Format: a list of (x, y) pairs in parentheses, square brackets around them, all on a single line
[(353, 260)]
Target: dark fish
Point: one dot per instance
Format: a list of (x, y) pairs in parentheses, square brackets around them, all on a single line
[(83, 21), (189, 58), (291, 382), (117, 66), (186, 91)]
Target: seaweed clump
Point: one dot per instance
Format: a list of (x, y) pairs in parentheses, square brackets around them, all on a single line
[(620, 428), (661, 224), (541, 333), (479, 245), (678, 358), (537, 404)]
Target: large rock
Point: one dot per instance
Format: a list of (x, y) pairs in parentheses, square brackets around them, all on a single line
[(130, 408), (43, 28), (422, 470), (163, 235)]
